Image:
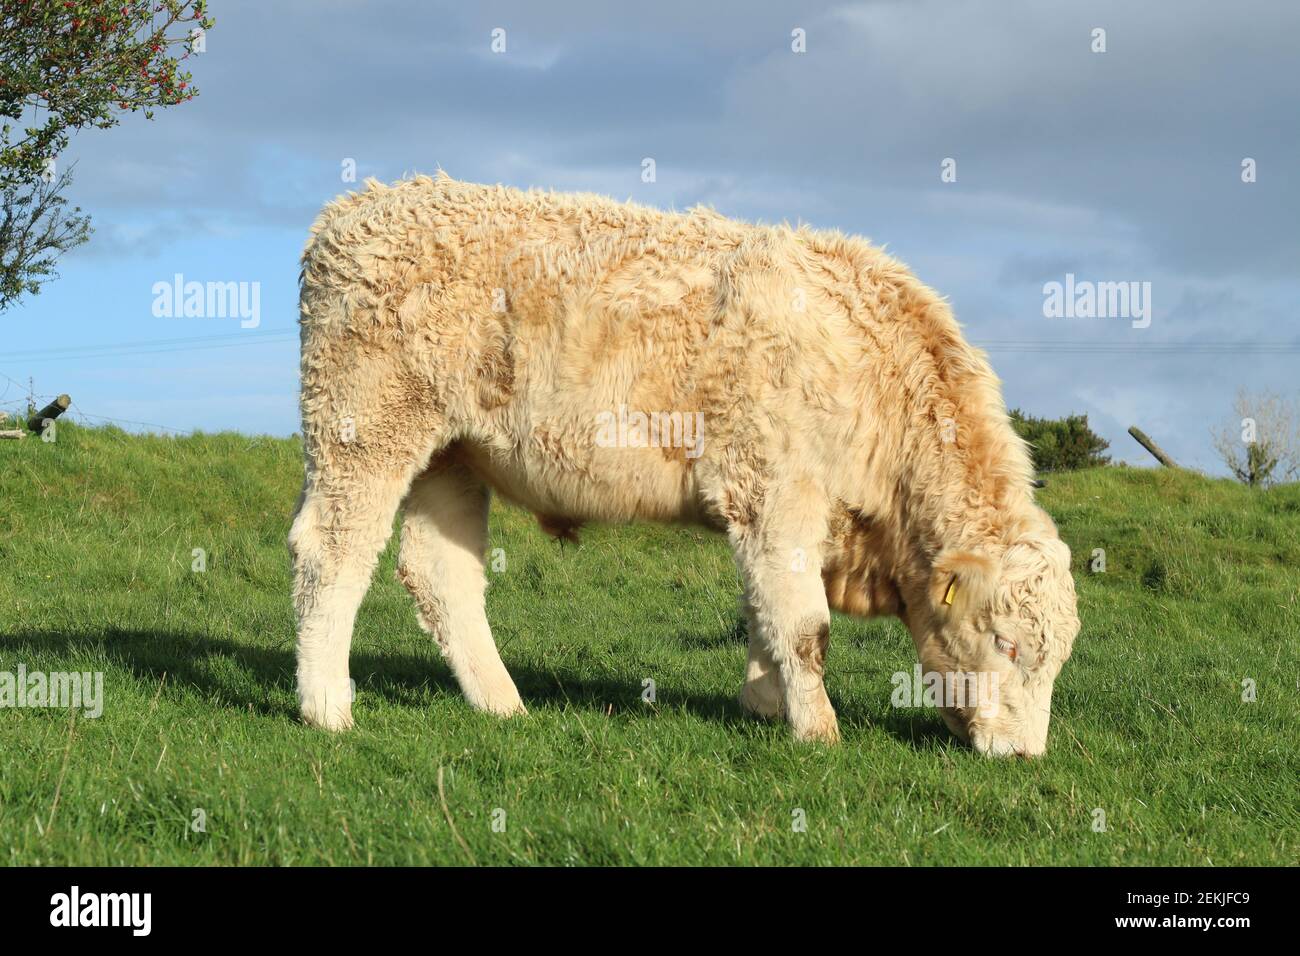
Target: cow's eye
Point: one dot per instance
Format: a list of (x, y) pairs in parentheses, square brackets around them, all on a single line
[(1005, 646)]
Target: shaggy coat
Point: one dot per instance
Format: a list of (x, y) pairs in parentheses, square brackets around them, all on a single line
[(798, 390)]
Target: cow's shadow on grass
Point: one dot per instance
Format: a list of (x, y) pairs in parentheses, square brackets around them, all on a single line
[(260, 680), (249, 678)]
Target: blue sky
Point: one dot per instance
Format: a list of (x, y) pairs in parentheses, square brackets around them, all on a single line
[(1122, 166)]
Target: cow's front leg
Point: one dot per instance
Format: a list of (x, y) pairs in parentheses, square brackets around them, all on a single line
[(762, 694), (780, 560)]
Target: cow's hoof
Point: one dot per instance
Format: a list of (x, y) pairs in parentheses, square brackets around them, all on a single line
[(506, 708), (333, 720), (326, 711), (759, 700)]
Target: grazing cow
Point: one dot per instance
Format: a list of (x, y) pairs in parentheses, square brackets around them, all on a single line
[(590, 360)]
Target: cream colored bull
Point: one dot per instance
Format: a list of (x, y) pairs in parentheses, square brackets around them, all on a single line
[(459, 338)]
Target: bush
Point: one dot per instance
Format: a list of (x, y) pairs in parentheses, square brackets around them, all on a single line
[(1061, 444), (1266, 450)]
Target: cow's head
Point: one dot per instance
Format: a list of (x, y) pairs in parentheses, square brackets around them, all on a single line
[(999, 628)]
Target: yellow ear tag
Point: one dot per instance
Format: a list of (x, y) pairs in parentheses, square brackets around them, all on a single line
[(952, 587)]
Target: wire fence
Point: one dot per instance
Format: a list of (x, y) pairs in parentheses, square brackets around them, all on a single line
[(19, 408)]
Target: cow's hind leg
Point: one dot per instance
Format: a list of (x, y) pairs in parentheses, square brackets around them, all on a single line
[(354, 487), (444, 535), (780, 559), (343, 521)]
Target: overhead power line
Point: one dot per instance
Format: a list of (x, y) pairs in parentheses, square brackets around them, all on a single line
[(1145, 348), (198, 343)]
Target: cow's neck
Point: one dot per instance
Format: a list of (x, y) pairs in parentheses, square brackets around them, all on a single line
[(977, 501), (962, 480), (969, 490), (943, 468)]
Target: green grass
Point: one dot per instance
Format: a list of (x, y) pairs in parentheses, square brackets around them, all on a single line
[(96, 535)]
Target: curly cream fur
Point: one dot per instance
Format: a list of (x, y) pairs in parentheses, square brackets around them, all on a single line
[(458, 338)]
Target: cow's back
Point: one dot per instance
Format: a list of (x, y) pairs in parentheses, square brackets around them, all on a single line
[(534, 320)]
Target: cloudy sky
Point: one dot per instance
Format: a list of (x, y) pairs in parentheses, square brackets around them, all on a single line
[(1116, 166)]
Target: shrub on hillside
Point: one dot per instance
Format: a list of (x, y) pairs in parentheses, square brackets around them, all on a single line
[(1261, 443), (1061, 444)]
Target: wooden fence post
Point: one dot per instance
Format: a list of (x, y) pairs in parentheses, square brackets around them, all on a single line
[(1151, 446), (50, 412)]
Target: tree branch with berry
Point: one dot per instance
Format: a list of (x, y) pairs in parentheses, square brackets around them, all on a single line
[(69, 65)]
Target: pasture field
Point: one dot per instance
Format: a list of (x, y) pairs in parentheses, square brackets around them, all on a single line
[(199, 758)]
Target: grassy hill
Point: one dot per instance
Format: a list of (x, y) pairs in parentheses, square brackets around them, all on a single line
[(97, 533)]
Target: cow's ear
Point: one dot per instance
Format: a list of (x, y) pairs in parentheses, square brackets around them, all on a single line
[(962, 582)]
